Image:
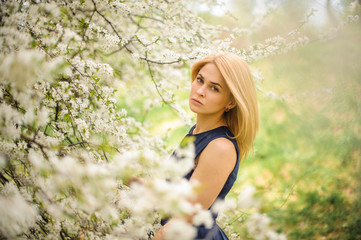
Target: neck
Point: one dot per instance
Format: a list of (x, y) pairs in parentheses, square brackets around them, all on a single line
[(205, 123)]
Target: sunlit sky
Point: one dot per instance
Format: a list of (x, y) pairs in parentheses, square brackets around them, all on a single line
[(318, 18)]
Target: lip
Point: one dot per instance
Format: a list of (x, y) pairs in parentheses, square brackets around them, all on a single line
[(195, 101)]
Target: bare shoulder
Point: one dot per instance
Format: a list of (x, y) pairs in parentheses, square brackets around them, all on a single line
[(220, 149), (223, 145)]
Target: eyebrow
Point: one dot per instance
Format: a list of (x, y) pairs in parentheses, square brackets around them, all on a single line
[(214, 83)]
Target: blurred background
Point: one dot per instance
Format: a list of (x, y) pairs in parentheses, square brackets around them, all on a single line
[(306, 164)]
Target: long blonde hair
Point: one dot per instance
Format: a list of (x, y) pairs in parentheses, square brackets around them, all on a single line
[(243, 119)]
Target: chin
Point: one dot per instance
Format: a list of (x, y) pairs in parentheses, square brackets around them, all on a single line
[(192, 109)]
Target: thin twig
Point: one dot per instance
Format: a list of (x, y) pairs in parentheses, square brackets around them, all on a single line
[(73, 124), (142, 16), (73, 144), (155, 83), (87, 26)]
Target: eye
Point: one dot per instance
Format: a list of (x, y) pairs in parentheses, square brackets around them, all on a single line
[(214, 88), (200, 80)]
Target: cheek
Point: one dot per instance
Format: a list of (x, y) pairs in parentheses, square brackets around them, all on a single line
[(193, 87), (221, 100)]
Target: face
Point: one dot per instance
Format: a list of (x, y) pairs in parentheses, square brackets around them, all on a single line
[(209, 94)]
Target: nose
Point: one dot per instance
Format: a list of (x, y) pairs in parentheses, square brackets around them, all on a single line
[(201, 91)]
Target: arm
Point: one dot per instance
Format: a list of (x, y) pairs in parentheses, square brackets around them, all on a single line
[(215, 164)]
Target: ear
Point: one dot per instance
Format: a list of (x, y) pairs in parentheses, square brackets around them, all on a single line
[(229, 106)]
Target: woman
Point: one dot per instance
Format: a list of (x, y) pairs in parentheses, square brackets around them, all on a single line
[(223, 96)]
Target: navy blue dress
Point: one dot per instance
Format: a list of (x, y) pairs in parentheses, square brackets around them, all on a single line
[(200, 142)]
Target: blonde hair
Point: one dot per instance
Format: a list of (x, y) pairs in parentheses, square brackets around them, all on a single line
[(242, 119)]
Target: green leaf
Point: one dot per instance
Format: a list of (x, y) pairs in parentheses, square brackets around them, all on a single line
[(186, 141)]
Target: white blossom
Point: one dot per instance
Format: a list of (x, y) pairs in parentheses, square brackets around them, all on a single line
[(180, 229), (203, 217), (16, 213), (246, 199), (258, 227)]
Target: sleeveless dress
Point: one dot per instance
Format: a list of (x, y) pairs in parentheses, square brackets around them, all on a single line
[(200, 142)]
